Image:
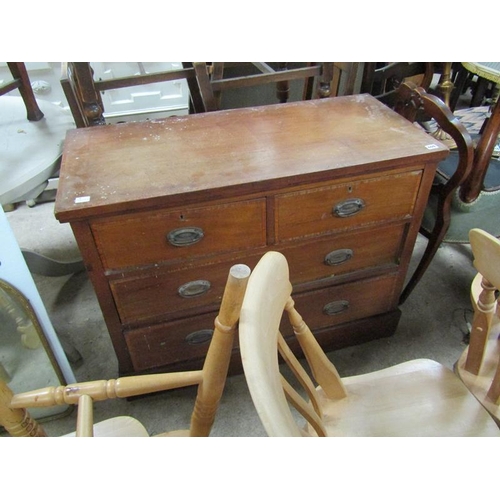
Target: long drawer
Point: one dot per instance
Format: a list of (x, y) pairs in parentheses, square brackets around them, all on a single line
[(189, 339), (171, 235), (343, 303), (344, 205), (165, 294), (170, 343)]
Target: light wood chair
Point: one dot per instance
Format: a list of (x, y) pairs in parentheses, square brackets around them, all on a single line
[(479, 364), (415, 398), (210, 380)]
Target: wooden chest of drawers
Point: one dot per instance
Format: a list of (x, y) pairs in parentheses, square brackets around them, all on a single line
[(162, 209)]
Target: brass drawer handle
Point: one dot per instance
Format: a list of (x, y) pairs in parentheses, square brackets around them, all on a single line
[(185, 236), (348, 208), (337, 307), (338, 256), (194, 288), (199, 337)]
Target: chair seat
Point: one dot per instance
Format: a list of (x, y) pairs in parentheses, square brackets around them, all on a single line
[(381, 404), (29, 151), (447, 168), (466, 216), (117, 427)]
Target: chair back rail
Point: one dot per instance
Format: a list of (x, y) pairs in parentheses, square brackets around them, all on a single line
[(210, 379)]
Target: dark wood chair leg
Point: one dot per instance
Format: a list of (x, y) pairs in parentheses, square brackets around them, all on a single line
[(18, 71), (434, 241)]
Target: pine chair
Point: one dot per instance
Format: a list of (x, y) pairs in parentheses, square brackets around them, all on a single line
[(415, 398), (479, 364), (210, 380)]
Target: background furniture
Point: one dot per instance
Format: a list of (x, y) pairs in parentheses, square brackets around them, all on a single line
[(481, 78), (416, 398), (31, 138), (383, 79), (479, 365), (22, 307), (338, 185), (210, 381), (466, 191), (83, 91), (213, 80), (476, 201), (411, 102)]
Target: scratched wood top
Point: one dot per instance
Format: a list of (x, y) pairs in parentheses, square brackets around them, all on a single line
[(137, 165)]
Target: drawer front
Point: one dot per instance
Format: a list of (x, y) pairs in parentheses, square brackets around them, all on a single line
[(344, 303), (166, 295), (346, 205), (168, 235), (170, 343), (189, 339), (345, 253)]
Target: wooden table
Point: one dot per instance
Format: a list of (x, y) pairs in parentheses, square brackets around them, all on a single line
[(162, 209)]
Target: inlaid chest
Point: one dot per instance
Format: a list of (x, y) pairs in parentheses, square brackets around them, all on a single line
[(162, 209)]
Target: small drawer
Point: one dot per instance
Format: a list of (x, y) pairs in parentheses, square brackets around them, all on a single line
[(345, 253), (167, 235), (347, 205), (344, 303), (164, 294), (171, 343)]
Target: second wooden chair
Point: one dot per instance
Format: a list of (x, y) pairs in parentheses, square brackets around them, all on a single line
[(210, 380), (479, 365), (416, 398)]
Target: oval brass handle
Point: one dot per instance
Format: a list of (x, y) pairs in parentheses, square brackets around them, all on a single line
[(194, 288), (337, 307), (338, 256), (199, 337), (185, 236), (349, 207)]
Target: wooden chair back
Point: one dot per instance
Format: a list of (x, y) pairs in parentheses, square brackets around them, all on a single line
[(411, 102), (210, 381), (419, 397), (83, 92), (382, 80), (212, 82), (20, 81), (479, 365), (260, 342)]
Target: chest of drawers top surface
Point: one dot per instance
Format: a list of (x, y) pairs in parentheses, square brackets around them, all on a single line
[(137, 165)]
